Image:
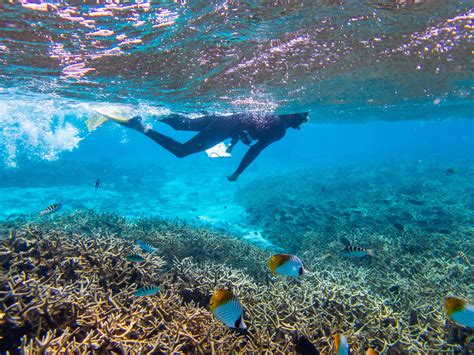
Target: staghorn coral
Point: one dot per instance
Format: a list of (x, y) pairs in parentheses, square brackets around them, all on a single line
[(69, 289), (414, 216)]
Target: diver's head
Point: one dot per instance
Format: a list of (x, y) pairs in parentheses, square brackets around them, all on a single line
[(295, 120)]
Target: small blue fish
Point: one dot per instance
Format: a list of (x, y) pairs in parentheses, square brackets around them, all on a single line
[(148, 248), (135, 258), (147, 291), (450, 171)]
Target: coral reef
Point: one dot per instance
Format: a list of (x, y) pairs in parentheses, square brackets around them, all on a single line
[(390, 199), (67, 286)]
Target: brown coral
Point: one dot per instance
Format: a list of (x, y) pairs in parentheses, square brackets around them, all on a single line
[(70, 290)]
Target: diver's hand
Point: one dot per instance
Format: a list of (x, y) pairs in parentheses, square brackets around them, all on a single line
[(233, 177)]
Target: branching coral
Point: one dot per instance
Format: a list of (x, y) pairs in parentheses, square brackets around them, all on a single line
[(414, 216), (68, 287)]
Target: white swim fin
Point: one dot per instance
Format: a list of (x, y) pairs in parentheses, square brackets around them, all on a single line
[(218, 151), (102, 115)]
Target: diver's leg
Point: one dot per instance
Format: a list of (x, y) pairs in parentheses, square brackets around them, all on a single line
[(178, 122), (207, 138), (183, 123), (135, 123), (200, 142)]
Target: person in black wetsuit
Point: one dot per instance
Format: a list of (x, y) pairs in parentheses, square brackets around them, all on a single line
[(213, 129)]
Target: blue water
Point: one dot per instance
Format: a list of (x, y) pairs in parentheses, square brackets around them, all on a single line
[(387, 157), (140, 178)]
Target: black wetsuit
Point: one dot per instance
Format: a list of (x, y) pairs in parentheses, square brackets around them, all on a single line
[(213, 129)]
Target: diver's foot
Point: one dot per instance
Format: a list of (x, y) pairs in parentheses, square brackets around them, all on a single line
[(135, 123), (232, 177)]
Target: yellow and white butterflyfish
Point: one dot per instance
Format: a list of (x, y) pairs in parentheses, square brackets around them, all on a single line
[(340, 344), (227, 308), (460, 311), (286, 264)]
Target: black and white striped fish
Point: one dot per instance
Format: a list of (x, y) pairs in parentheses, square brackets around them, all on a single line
[(464, 258), (137, 258), (148, 290), (357, 252), (51, 209)]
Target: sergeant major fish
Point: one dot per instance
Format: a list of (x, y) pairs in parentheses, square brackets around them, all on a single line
[(357, 252), (227, 308), (51, 209), (148, 290), (464, 258), (286, 264), (137, 258)]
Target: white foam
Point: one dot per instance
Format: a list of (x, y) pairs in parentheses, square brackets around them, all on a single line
[(35, 127), (42, 127)]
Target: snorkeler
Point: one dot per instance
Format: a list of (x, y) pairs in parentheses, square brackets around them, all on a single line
[(214, 129)]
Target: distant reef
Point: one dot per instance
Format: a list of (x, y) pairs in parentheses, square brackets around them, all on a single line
[(408, 201)]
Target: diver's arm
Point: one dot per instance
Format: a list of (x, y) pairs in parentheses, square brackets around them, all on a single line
[(251, 154)]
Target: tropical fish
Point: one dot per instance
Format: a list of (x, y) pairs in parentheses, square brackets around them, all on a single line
[(227, 308), (450, 171), (460, 311), (286, 264), (341, 345), (146, 247), (147, 291), (464, 258), (371, 351), (135, 258), (97, 184), (51, 209), (357, 252)]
